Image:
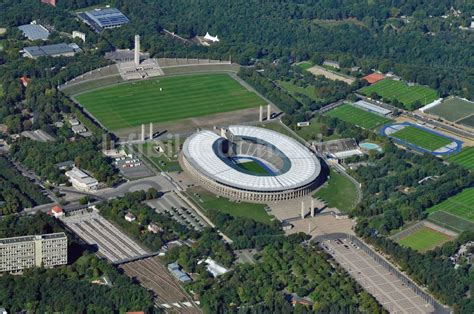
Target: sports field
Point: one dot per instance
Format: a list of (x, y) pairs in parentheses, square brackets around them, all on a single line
[(167, 99), (460, 205), (421, 138), (424, 239), (338, 192), (357, 116), (253, 167), (465, 158), (453, 109), (408, 95)]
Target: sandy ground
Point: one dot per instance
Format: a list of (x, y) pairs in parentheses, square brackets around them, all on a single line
[(317, 70)]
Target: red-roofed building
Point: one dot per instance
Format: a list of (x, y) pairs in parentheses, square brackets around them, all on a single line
[(50, 2), (374, 77), (57, 211), (25, 80)]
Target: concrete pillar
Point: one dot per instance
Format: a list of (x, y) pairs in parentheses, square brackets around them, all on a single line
[(302, 210), (260, 118), (143, 132), (151, 131), (137, 50), (312, 207), (269, 112)]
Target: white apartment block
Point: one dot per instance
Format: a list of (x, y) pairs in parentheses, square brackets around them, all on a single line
[(45, 250)]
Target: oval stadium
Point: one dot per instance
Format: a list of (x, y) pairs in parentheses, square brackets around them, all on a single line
[(251, 164)]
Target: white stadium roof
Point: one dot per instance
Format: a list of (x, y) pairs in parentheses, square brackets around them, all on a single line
[(200, 150)]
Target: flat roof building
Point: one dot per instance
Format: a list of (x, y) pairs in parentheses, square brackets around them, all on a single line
[(81, 180), (24, 252), (56, 50), (34, 31), (367, 106), (177, 273), (100, 19)]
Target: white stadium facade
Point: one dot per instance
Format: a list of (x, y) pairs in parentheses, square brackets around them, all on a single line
[(291, 169)]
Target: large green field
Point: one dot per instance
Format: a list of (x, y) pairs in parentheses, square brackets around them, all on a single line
[(253, 167), (339, 192), (461, 205), (407, 95), (208, 201), (357, 116), (421, 138), (453, 108), (424, 239), (295, 90), (167, 99), (465, 158)]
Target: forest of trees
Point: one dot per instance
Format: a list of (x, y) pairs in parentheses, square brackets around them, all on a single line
[(284, 267), (16, 191), (42, 158)]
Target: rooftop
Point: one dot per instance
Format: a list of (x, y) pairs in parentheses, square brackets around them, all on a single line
[(107, 17), (34, 31), (29, 238), (51, 50), (201, 150)]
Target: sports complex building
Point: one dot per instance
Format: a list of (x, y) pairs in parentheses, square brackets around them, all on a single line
[(251, 164)]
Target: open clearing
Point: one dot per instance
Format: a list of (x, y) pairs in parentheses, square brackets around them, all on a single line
[(295, 89), (421, 138), (167, 99), (407, 95), (208, 201), (339, 192), (162, 161), (318, 70), (357, 116), (305, 65), (465, 158), (424, 239)]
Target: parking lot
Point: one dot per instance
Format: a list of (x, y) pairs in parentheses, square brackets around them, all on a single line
[(170, 204), (111, 243), (384, 285), (132, 167)]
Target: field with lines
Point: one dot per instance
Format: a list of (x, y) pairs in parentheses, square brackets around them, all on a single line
[(421, 138), (408, 95), (424, 239), (460, 205), (167, 99), (357, 116), (465, 158), (453, 109)]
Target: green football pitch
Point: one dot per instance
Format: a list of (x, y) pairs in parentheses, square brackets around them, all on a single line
[(253, 167), (167, 99), (408, 95), (357, 116), (421, 138), (424, 239), (465, 158), (460, 205)]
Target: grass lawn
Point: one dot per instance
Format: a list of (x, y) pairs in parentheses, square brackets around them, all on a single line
[(160, 160), (357, 116), (339, 192), (421, 138), (461, 205), (295, 89), (465, 158), (305, 65), (167, 99), (208, 201), (424, 239), (390, 89), (253, 167), (453, 108)]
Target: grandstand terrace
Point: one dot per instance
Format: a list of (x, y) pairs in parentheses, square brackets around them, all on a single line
[(340, 149), (372, 108)]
